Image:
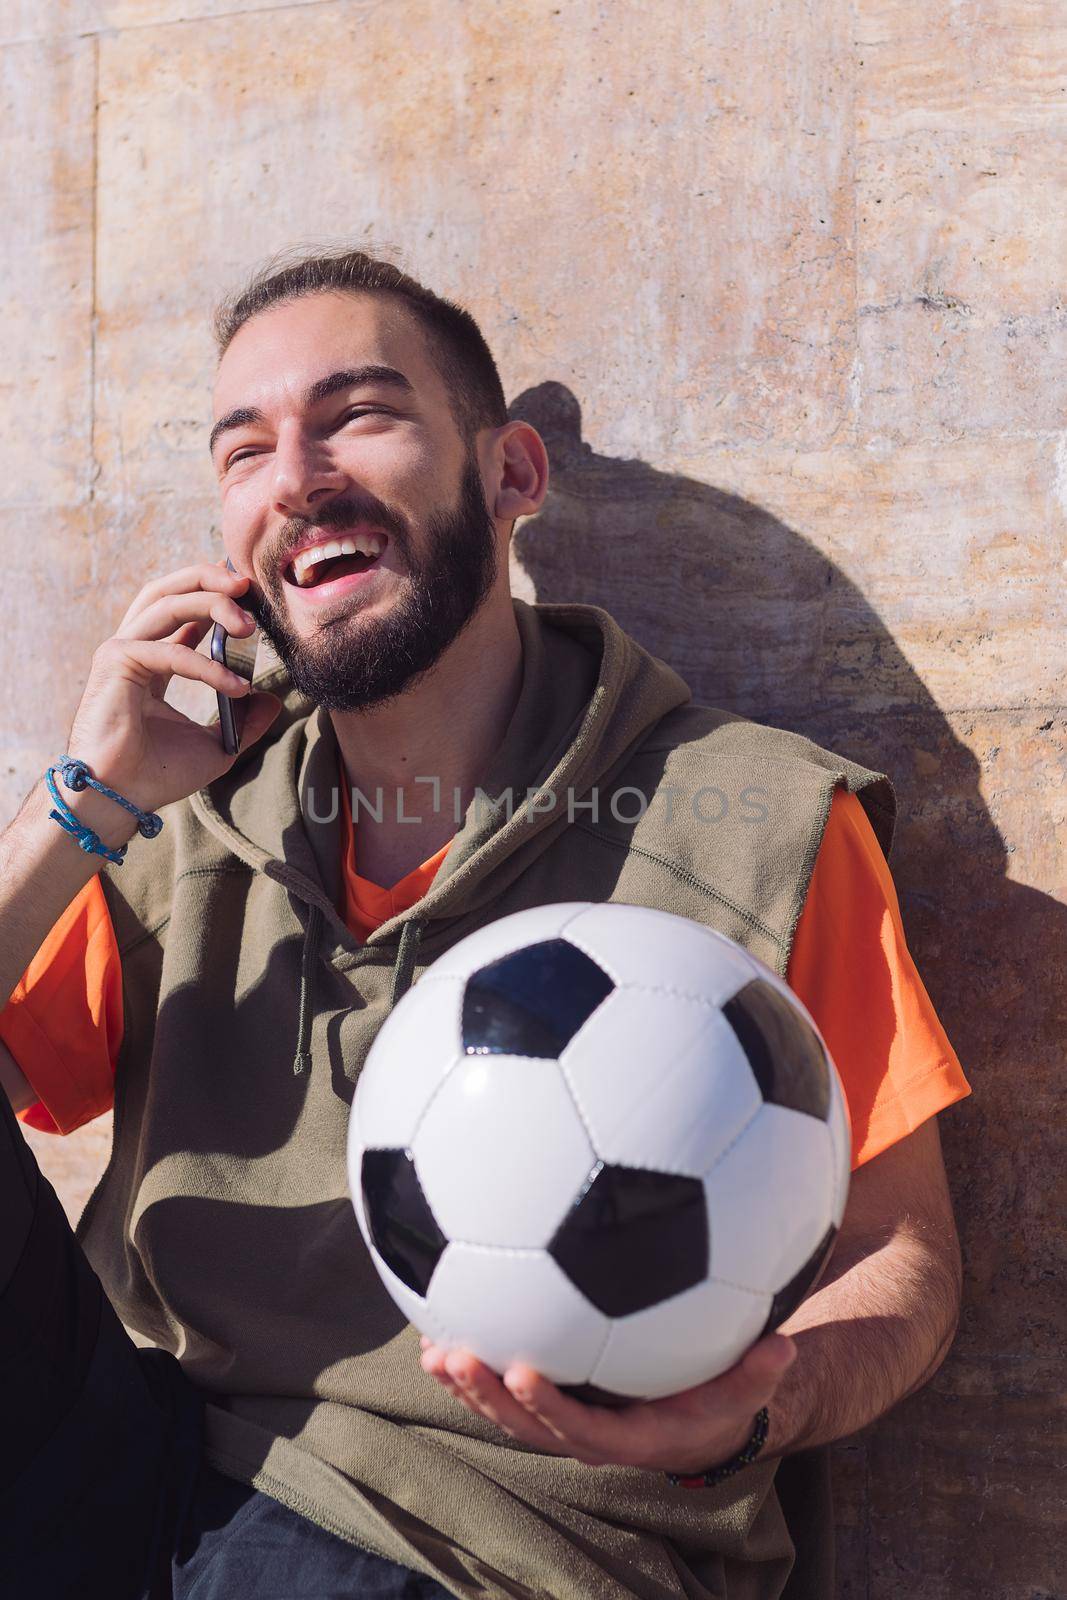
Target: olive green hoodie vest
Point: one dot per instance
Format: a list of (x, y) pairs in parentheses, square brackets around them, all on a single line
[(223, 1229)]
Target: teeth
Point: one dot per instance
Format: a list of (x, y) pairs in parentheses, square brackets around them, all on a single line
[(366, 544)]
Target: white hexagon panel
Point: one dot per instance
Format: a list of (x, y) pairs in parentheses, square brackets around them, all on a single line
[(771, 1199), (501, 1151), (639, 946), (699, 1100), (681, 1342), (516, 1305)]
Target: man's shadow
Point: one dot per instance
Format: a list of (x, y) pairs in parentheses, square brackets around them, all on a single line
[(759, 622)]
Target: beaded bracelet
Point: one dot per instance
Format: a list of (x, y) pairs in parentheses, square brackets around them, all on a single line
[(708, 1480), (76, 776)]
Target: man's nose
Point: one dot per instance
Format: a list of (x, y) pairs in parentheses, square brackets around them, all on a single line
[(305, 475)]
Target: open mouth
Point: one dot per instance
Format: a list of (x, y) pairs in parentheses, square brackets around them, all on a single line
[(329, 559)]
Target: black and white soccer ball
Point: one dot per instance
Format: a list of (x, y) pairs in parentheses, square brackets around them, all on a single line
[(603, 1140)]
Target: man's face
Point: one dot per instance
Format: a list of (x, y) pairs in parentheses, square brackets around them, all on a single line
[(349, 496)]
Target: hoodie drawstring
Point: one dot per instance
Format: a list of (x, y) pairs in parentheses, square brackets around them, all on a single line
[(406, 953), (302, 1058), (403, 971)]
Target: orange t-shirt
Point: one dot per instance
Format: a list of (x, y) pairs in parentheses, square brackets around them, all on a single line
[(849, 964)]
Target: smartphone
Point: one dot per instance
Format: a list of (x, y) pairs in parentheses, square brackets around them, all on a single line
[(232, 712)]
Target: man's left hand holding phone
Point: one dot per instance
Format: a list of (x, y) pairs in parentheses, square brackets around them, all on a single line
[(127, 732)]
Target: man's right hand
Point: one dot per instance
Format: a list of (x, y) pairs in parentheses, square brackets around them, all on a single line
[(124, 730)]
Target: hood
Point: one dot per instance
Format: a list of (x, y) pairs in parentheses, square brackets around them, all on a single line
[(589, 695)]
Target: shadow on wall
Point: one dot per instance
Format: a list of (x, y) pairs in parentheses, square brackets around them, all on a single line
[(759, 622)]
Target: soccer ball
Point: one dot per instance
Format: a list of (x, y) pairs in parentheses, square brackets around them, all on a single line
[(603, 1140)]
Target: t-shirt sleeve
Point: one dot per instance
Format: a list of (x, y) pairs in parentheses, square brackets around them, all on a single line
[(851, 967), (63, 1022)]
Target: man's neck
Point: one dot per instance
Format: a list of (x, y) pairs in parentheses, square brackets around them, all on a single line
[(427, 751)]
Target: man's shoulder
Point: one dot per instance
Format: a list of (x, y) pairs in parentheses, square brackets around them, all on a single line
[(696, 730), (717, 755)]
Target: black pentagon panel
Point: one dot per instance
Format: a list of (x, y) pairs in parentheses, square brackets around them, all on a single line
[(532, 1002), (634, 1238), (783, 1049), (590, 1394), (403, 1227), (799, 1287)]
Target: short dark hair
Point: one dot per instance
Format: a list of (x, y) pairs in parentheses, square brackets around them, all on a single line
[(456, 342)]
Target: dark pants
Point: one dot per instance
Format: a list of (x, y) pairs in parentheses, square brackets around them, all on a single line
[(102, 1488)]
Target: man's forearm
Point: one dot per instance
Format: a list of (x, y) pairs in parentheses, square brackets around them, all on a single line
[(41, 870), (875, 1331)]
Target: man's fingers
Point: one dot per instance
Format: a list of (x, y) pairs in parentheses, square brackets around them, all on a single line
[(190, 633), (187, 580), (173, 611), (471, 1382), (484, 1390), (592, 1433)]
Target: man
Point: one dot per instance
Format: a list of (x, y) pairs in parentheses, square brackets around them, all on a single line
[(232, 972)]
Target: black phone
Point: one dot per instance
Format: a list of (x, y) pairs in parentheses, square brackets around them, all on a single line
[(232, 712)]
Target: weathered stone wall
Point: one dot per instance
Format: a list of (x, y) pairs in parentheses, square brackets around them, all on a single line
[(783, 285)]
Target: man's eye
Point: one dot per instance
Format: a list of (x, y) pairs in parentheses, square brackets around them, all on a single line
[(347, 416), (366, 411)]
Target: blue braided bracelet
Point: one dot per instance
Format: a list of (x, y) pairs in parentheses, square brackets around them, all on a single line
[(76, 776)]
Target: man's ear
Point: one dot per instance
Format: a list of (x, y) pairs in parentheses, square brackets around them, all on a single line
[(519, 465)]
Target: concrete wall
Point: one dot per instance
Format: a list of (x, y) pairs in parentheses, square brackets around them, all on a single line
[(783, 285)]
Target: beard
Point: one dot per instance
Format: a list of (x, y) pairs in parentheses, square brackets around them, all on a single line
[(353, 664)]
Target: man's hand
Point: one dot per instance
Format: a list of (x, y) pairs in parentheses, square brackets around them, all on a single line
[(131, 739), (686, 1433), (876, 1328)]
